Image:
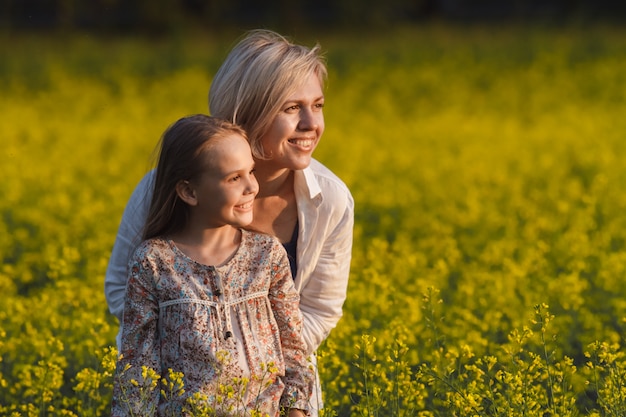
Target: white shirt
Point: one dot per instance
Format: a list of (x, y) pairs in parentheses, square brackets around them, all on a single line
[(324, 248)]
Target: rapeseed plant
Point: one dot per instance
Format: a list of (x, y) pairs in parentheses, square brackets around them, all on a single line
[(608, 377), (93, 387), (141, 392)]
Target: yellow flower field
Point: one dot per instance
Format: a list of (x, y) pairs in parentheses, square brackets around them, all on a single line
[(487, 167)]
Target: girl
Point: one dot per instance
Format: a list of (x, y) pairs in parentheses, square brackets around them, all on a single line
[(205, 297)]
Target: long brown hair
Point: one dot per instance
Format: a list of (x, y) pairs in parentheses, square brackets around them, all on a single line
[(180, 158)]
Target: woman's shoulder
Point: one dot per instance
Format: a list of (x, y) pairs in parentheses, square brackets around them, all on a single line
[(332, 188), (326, 176)]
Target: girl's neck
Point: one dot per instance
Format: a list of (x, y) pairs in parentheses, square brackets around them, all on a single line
[(213, 246)]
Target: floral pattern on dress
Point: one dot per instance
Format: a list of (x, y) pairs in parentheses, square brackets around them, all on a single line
[(213, 324)]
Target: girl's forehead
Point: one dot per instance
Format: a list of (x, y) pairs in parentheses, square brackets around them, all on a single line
[(223, 142), (219, 151)]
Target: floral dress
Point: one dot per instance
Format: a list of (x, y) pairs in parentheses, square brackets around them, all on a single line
[(234, 331)]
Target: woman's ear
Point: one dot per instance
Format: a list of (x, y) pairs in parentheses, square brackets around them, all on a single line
[(186, 192)]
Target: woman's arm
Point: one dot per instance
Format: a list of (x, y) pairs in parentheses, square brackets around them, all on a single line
[(323, 294), (127, 239)]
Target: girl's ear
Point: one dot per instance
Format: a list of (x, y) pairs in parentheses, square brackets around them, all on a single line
[(186, 192)]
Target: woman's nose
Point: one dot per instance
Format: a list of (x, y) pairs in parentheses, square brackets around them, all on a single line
[(309, 119)]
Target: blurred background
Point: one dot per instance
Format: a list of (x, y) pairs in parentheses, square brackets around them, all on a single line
[(484, 144), (159, 16)]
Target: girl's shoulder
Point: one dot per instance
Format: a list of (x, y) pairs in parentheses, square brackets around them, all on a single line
[(254, 240), (153, 248)]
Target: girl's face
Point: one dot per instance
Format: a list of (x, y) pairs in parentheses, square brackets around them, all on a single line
[(297, 128), (226, 189)]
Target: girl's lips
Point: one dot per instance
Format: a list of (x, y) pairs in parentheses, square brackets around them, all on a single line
[(245, 206)]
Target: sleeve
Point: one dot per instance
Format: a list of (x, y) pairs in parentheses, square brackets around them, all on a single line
[(299, 377), (135, 389), (322, 297), (127, 239)]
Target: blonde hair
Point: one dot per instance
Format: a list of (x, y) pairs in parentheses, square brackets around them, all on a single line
[(257, 77)]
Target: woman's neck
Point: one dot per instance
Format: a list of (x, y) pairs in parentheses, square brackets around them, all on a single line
[(275, 208), (273, 182)]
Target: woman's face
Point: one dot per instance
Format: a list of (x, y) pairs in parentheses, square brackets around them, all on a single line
[(297, 128)]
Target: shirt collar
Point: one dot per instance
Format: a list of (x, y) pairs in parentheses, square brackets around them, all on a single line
[(306, 185)]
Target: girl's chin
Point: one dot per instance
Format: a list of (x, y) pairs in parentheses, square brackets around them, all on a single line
[(245, 220)]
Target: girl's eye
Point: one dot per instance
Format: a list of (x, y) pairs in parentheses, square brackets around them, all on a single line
[(253, 171), (235, 178)]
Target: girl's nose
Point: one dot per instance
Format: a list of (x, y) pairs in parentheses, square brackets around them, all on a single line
[(253, 185)]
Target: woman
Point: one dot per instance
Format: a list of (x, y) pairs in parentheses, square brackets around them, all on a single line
[(274, 90)]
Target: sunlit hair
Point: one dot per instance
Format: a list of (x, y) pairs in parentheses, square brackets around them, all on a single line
[(257, 77), (181, 157)]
